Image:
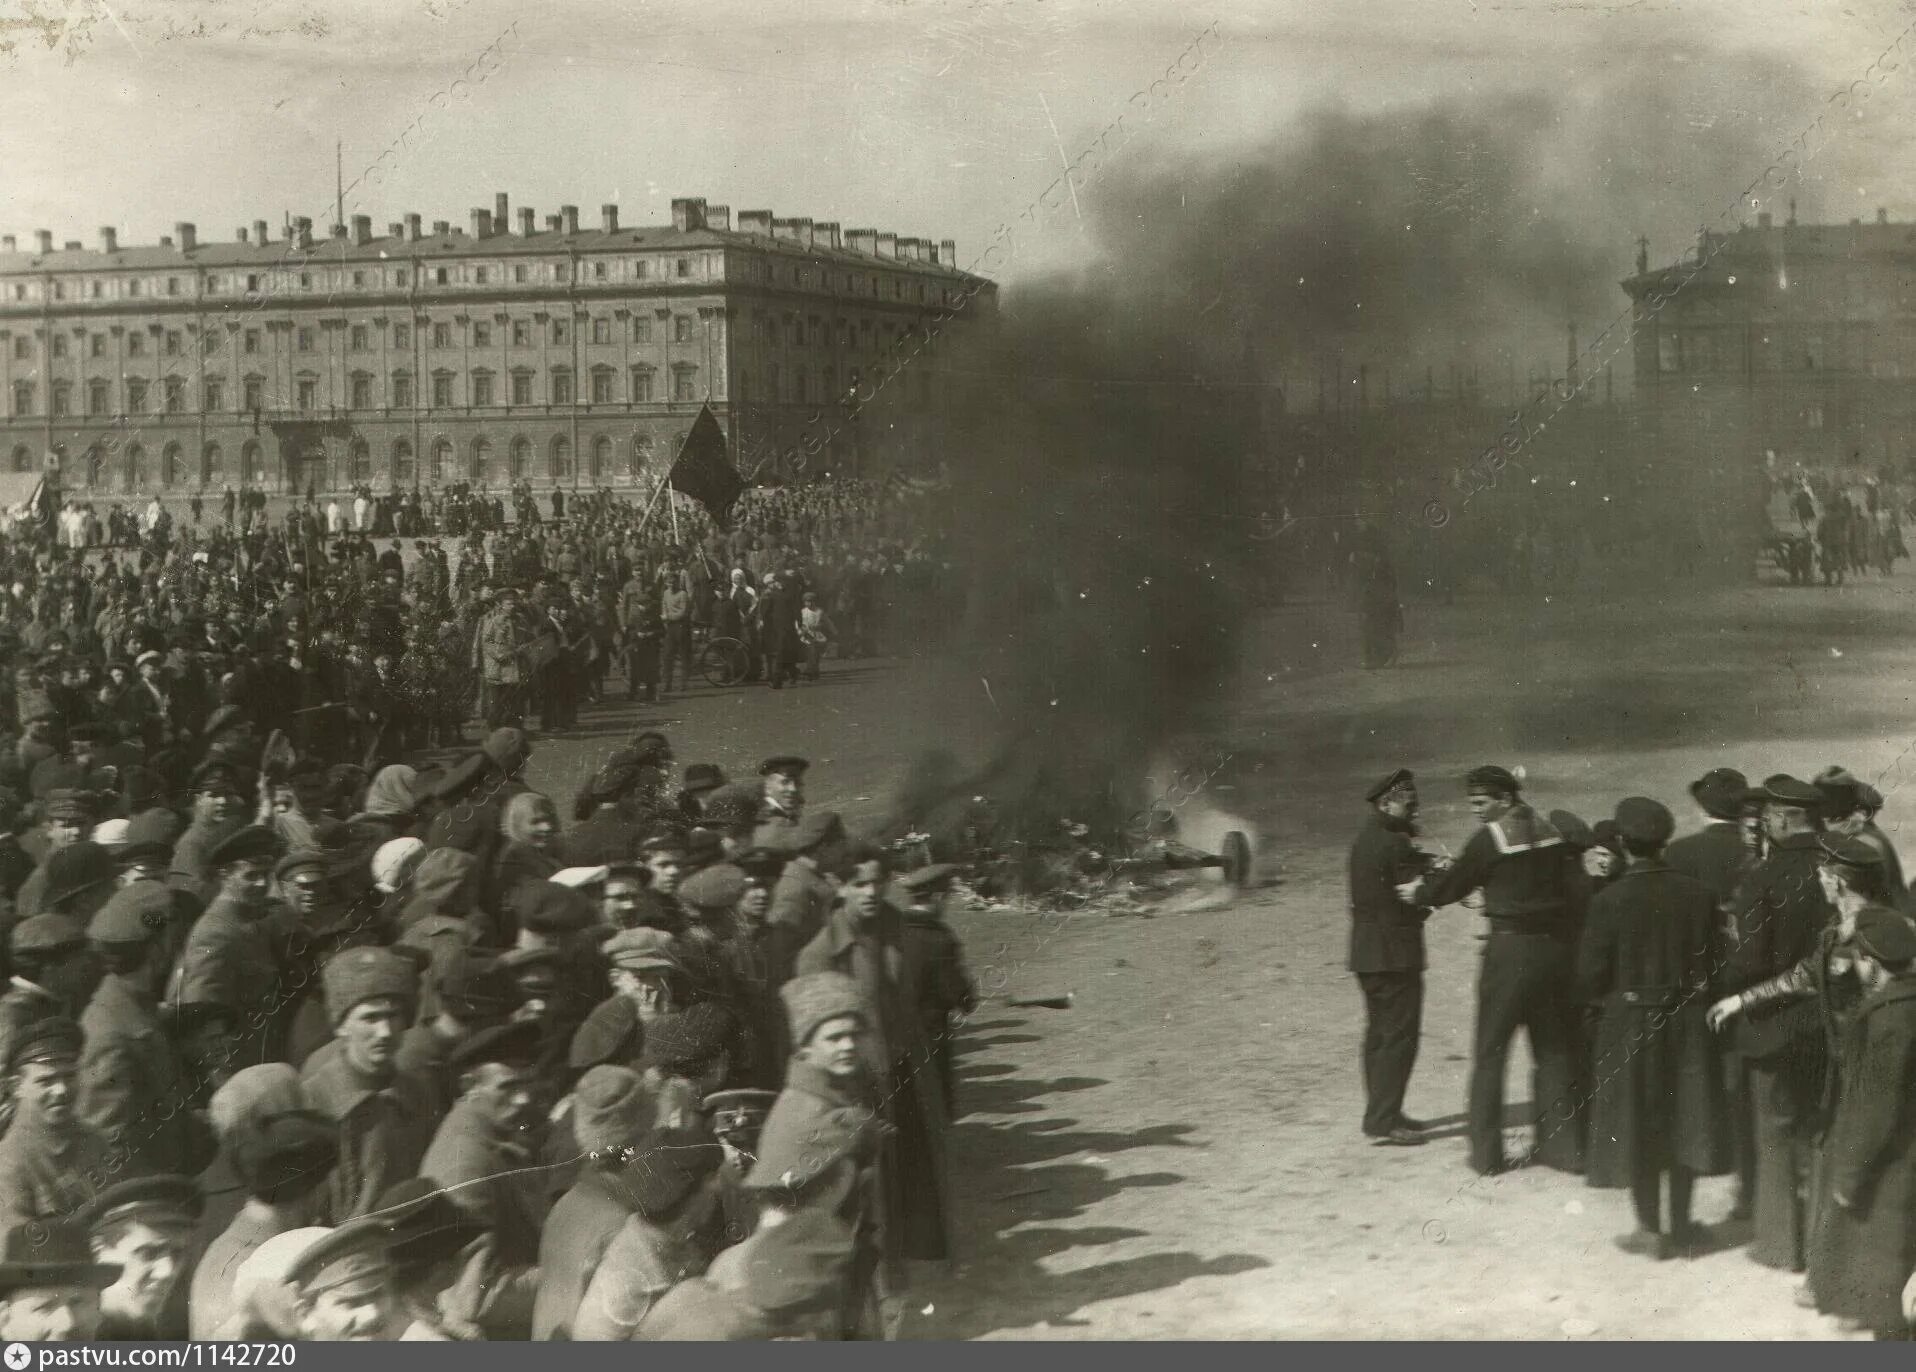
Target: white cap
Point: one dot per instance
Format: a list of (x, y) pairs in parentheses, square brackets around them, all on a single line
[(394, 860), (110, 833)]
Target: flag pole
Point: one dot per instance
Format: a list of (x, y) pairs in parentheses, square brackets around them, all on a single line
[(653, 505), (673, 505)]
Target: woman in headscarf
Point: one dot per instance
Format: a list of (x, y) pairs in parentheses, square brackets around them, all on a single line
[(607, 830), (531, 853), (389, 810)]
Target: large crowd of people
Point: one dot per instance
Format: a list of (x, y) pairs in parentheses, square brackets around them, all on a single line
[(1738, 1000), (321, 1023)]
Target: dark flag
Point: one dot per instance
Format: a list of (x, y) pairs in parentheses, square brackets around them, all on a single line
[(702, 471)]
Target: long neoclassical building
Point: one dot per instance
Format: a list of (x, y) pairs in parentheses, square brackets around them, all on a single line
[(560, 354)]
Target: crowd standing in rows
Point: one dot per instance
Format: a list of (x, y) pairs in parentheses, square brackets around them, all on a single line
[(321, 1023), (1739, 1000)]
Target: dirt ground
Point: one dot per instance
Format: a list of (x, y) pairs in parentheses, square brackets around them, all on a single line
[(1178, 1155)]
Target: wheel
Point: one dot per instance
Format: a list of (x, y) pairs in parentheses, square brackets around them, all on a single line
[(724, 662), (1237, 859)]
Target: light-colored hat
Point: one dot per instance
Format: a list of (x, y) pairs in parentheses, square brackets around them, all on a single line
[(395, 860)]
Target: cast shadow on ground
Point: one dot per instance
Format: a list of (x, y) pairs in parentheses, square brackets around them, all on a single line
[(1026, 1178)]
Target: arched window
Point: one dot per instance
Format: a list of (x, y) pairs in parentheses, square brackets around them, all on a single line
[(601, 458), (133, 468), (402, 462), (479, 460), (360, 456), (169, 464), (521, 458), (23, 458), (561, 458), (249, 463), (441, 459), (212, 465)]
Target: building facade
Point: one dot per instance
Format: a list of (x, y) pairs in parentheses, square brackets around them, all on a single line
[(559, 355), (1783, 345)]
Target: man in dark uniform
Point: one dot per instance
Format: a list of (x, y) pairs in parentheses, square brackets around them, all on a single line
[(1717, 856), (1387, 954), (1780, 911), (1523, 867)]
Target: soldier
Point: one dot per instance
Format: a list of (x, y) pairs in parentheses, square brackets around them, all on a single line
[(385, 1115), (1650, 949), (1780, 911), (1387, 955), (228, 979), (144, 1227), (134, 1083), (482, 1157), (499, 649), (51, 1161), (50, 1284), (1523, 868)]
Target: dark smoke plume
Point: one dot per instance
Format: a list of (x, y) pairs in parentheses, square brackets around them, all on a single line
[(1109, 479)]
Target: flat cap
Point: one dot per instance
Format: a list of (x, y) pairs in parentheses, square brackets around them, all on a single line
[(785, 763), (1491, 779), (533, 966), (53, 1039), (53, 1253), (1379, 789), (254, 843), (663, 841), (640, 948), (1845, 851), (133, 914), (1886, 935), (1720, 792), (351, 1259), (612, 1034), (716, 888), (739, 1110), (1784, 789), (162, 1199), (760, 864), (701, 777), (1641, 820), (612, 1109), (46, 934), (284, 1154), (72, 803), (814, 828), (935, 876), (75, 870), (685, 1042), (550, 908), (515, 1045)]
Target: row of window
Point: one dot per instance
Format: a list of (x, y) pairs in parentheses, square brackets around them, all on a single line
[(595, 270), (359, 337), (126, 465), (642, 387)]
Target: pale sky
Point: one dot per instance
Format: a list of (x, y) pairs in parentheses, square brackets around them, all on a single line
[(932, 118)]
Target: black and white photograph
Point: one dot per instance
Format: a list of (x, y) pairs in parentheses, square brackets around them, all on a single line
[(932, 670)]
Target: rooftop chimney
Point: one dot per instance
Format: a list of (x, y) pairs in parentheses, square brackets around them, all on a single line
[(240, 233), (412, 228), (570, 214), (1764, 220), (553, 223), (688, 214), (8, 243), (609, 218), (259, 231), (166, 240), (528, 221), (887, 244), (186, 233), (785, 228), (825, 235), (482, 223), (109, 240), (1792, 219), (719, 217), (862, 240), (1882, 215), (44, 237), (501, 213), (396, 229), (303, 227), (362, 230), (75, 245), (948, 252), (755, 221), (441, 227)]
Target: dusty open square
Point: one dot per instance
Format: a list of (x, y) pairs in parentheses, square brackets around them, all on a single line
[(1179, 1154)]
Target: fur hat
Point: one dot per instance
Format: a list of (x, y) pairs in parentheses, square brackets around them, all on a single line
[(812, 1000), (362, 974)]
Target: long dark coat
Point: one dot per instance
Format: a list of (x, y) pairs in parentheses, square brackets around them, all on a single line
[(1860, 1257), (1647, 953)]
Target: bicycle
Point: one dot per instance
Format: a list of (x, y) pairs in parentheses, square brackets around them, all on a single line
[(724, 661)]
